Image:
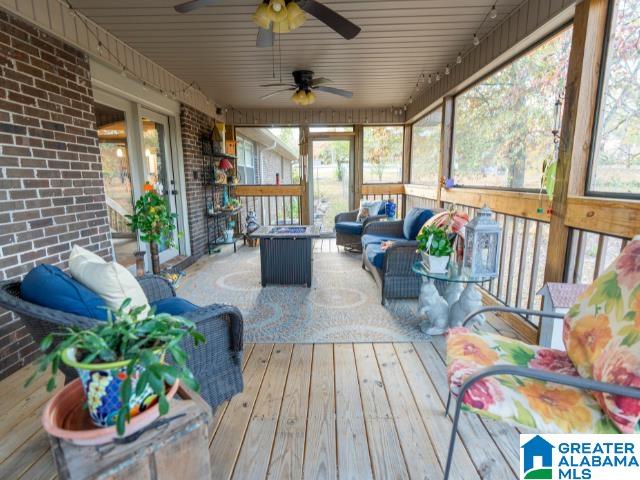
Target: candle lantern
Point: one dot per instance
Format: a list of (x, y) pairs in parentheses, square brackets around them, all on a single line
[(482, 240)]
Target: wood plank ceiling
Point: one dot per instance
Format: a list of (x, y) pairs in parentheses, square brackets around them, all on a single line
[(215, 46)]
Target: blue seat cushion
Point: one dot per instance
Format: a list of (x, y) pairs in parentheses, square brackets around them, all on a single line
[(414, 220), (351, 228), (48, 286), (375, 255), (174, 306), (369, 238)]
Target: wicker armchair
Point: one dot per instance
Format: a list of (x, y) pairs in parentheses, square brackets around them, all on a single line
[(217, 364), (351, 241), (396, 279)]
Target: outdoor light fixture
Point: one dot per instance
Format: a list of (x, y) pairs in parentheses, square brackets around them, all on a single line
[(459, 58), (303, 97), (447, 70), (438, 77), (493, 14), (476, 40), (279, 15), (277, 10), (429, 79), (261, 17)]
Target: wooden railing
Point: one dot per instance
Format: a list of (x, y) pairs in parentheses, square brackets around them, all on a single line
[(273, 204), (590, 253), (385, 191)]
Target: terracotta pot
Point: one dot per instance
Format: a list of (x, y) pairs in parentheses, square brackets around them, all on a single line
[(65, 417)]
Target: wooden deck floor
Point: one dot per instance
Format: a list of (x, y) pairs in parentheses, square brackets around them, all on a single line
[(348, 411)]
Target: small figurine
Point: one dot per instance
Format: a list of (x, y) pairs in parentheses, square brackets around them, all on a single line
[(434, 307), (251, 226), (470, 300)]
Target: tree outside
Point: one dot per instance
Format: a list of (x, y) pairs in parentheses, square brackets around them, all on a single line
[(425, 149), (382, 154), (503, 125)]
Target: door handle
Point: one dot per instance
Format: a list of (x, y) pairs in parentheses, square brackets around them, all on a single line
[(174, 192)]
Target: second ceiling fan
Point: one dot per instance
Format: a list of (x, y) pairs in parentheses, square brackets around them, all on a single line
[(283, 16)]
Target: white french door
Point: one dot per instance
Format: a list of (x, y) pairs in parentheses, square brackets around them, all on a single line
[(159, 168)]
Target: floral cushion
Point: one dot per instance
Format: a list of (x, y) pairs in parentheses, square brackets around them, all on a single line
[(545, 407), (602, 334)]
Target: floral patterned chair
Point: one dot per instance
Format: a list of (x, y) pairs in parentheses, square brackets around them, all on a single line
[(593, 387)]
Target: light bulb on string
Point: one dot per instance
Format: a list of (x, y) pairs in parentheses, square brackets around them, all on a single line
[(447, 70), (459, 58), (476, 40), (438, 77), (493, 14), (429, 80)]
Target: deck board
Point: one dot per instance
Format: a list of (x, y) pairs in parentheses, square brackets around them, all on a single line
[(348, 411)]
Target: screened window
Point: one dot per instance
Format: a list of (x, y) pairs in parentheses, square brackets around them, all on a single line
[(503, 125), (246, 161), (382, 154), (267, 156), (616, 153), (425, 149)]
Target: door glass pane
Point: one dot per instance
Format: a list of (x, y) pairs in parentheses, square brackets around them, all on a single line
[(425, 149), (116, 175), (330, 163), (156, 160)]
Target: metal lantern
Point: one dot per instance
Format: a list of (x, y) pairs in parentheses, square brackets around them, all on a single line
[(481, 243)]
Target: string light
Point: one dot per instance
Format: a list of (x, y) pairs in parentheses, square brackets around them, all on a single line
[(104, 51), (491, 14)]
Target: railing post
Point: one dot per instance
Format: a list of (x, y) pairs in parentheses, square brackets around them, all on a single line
[(579, 112), (446, 143)]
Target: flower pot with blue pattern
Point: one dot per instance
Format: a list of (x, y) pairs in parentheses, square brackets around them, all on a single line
[(101, 383)]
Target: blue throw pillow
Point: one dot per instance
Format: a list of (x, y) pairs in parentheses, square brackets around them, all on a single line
[(174, 306), (50, 287), (414, 220)]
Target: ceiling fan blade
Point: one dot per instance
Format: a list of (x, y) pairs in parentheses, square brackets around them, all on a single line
[(265, 38), (320, 81), (330, 18), (187, 7), (276, 92), (278, 85), (335, 91)]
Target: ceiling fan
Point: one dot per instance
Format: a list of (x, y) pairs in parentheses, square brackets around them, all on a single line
[(304, 86), (283, 16)]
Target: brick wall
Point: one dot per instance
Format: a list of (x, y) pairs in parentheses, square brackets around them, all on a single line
[(51, 192), (195, 124)]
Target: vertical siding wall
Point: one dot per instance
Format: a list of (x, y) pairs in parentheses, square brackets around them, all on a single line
[(51, 191)]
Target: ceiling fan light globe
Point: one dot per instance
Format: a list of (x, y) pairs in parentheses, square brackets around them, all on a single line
[(311, 97), (281, 27), (277, 10), (295, 16), (261, 17)]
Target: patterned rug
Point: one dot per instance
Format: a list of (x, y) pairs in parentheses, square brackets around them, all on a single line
[(343, 304)]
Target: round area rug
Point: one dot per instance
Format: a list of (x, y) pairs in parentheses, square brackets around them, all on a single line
[(342, 305)]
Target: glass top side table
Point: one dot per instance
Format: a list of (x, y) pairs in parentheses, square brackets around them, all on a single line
[(458, 299)]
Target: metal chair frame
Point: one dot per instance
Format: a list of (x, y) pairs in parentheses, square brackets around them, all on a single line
[(571, 381)]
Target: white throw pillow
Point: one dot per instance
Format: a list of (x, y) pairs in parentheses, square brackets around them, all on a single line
[(110, 280)]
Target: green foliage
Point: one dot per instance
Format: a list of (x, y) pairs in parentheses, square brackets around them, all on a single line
[(425, 149), (126, 335), (152, 218), (437, 241), (503, 124), (382, 149)]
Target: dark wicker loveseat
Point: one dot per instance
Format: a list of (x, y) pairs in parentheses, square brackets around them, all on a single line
[(216, 364)]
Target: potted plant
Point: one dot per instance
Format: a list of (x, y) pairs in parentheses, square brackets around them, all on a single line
[(155, 222), (435, 247), (121, 364)]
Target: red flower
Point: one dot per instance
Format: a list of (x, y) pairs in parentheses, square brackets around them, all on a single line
[(121, 375), (483, 394), (628, 265), (553, 361), (148, 187)]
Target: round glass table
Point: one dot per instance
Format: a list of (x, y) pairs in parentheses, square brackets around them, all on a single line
[(447, 298)]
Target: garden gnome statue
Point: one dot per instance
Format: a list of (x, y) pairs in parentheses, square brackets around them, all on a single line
[(252, 222), (434, 308), (470, 300)]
